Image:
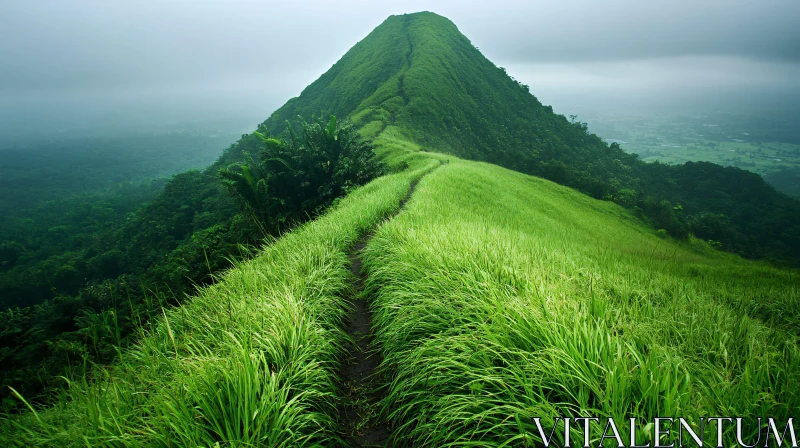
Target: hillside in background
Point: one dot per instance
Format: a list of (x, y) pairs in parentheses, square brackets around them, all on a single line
[(766, 142), (420, 74)]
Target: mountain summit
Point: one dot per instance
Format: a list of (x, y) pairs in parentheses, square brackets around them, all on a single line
[(418, 73)]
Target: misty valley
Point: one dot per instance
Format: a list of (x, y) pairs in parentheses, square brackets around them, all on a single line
[(766, 143)]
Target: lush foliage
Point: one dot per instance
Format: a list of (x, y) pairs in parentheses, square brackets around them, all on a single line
[(499, 296), (88, 252), (787, 180), (753, 139), (250, 361), (57, 168), (301, 175), (502, 297), (64, 201), (106, 283), (150, 258)]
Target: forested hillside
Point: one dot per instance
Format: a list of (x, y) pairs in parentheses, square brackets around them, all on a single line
[(66, 199), (88, 245), (101, 279)]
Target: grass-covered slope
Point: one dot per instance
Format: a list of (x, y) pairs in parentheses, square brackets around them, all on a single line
[(418, 72), (249, 361), (501, 297)]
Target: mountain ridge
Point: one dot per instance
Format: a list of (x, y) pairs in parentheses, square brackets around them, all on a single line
[(420, 76), (419, 73)]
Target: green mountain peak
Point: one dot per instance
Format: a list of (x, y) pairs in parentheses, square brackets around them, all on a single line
[(418, 73)]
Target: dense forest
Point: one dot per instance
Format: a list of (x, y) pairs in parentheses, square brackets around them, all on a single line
[(787, 179), (65, 198), (111, 273), (86, 252)]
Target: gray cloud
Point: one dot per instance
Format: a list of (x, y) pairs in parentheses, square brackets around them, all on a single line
[(254, 55), (546, 31), (102, 44)]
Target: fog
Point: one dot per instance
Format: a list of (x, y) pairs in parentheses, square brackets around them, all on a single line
[(665, 85), (92, 65)]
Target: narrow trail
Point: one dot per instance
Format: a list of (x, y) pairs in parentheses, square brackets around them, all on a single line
[(360, 423)]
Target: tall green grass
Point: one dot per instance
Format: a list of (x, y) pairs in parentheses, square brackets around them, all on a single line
[(500, 297), (249, 361)]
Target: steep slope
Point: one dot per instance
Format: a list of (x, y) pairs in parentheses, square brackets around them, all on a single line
[(419, 73), (501, 297)]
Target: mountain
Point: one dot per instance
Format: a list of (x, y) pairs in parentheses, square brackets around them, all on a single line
[(448, 303), (418, 75)]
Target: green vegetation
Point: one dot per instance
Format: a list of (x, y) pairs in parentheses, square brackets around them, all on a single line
[(105, 283), (419, 74), (72, 166), (158, 255), (251, 360), (759, 158), (786, 180), (501, 297), (498, 296), (92, 242), (301, 175), (64, 200)]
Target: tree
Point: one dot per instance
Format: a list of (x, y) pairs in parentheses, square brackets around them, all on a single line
[(248, 182), (300, 176)]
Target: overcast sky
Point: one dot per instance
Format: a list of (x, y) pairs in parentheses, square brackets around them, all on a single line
[(201, 58)]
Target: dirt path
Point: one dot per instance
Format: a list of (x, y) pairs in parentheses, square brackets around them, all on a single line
[(360, 423)]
